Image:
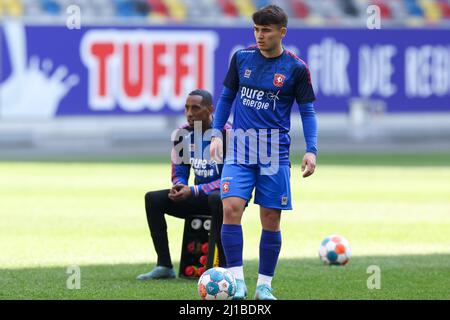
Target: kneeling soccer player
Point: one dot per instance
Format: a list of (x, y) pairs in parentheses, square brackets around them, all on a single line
[(183, 200)]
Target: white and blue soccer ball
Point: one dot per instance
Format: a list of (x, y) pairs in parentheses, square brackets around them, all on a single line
[(335, 250), (217, 284)]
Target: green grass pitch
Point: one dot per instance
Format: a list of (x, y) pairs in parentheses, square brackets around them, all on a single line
[(394, 210)]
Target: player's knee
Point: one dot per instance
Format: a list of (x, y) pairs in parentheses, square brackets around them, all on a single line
[(148, 197), (232, 213), (152, 199), (272, 215), (270, 219)]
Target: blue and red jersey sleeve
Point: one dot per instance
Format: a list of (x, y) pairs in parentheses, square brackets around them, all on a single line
[(205, 188), (181, 171), (304, 91), (231, 80), (229, 91)]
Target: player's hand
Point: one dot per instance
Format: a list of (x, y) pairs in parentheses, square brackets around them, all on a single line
[(308, 164), (179, 192), (216, 150)]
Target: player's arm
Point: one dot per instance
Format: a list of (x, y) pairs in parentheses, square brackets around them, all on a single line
[(180, 189), (180, 175), (183, 191), (305, 97), (223, 109), (205, 188), (309, 123), (180, 170)]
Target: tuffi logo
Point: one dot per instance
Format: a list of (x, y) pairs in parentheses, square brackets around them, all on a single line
[(138, 70)]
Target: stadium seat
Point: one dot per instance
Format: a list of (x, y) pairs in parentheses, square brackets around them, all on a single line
[(142, 8), (31, 8), (445, 8), (51, 7), (258, 4), (329, 9), (11, 8), (431, 9), (349, 8), (201, 9), (385, 10), (124, 8), (398, 10), (413, 8), (134, 8), (245, 8), (176, 8), (158, 8), (228, 8), (300, 9), (285, 5)]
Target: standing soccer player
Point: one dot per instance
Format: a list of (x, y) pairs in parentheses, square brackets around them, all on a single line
[(265, 80)]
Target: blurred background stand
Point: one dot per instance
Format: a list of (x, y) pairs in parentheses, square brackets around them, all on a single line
[(365, 118)]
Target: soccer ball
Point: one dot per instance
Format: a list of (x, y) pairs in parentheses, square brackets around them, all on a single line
[(335, 250), (217, 284)]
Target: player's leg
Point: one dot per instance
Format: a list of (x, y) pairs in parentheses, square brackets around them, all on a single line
[(157, 204), (155, 207), (273, 195), (269, 250), (237, 184), (233, 242), (215, 205)]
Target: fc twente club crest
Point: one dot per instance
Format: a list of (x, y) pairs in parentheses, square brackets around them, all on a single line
[(225, 187), (278, 80)]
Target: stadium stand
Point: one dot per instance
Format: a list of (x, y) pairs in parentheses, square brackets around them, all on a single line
[(300, 9), (12, 8), (245, 8), (325, 12), (228, 8)]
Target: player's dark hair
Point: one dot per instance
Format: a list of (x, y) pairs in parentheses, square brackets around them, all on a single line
[(207, 97), (270, 14)]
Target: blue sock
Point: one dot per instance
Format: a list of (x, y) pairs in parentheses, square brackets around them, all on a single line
[(232, 243), (269, 249)]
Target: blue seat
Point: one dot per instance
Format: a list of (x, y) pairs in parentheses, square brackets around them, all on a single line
[(51, 7)]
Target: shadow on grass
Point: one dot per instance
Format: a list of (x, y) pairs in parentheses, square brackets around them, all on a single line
[(402, 277)]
